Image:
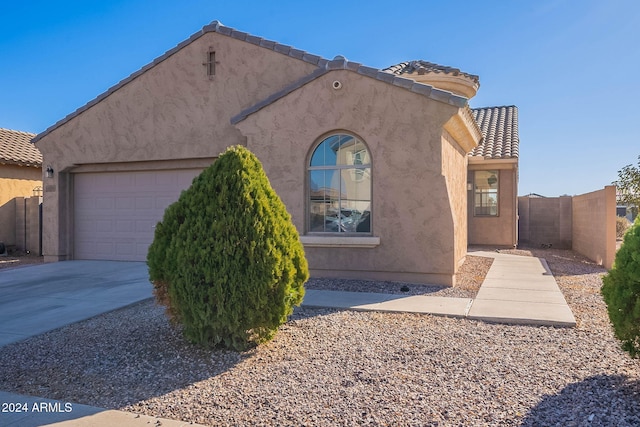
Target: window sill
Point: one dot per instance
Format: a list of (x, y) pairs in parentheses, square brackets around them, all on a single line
[(340, 241)]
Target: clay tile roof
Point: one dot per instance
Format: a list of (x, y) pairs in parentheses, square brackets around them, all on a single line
[(424, 67), (499, 127), (16, 149)]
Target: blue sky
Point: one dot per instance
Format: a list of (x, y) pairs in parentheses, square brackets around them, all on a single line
[(571, 67)]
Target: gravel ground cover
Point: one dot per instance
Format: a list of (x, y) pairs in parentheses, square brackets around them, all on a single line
[(19, 259), (329, 367), (469, 278)]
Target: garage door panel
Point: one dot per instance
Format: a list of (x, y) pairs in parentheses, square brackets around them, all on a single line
[(84, 203), (164, 201), (125, 249), (104, 203), (124, 226), (125, 202), (104, 226), (115, 213), (84, 227), (145, 182), (97, 182), (143, 227), (171, 180), (94, 250), (146, 202)]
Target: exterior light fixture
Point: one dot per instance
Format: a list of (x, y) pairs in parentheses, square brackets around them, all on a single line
[(49, 172)]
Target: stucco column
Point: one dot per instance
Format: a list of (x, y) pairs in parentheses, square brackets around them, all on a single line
[(56, 216)]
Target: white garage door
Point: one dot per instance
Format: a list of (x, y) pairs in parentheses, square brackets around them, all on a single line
[(115, 213)]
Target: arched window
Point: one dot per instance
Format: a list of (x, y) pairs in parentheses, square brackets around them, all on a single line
[(340, 186)]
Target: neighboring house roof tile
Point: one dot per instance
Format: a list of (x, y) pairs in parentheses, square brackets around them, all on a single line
[(16, 148), (424, 67), (338, 62), (499, 127)]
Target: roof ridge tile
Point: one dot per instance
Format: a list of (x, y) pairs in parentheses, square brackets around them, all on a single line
[(402, 82), (421, 66), (240, 35), (269, 44), (254, 39), (282, 48)]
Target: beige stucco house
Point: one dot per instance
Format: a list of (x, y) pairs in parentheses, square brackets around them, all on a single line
[(20, 177), (386, 173)]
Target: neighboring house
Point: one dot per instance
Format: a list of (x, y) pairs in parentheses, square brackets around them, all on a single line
[(375, 166), (627, 210), (20, 176), (630, 212)]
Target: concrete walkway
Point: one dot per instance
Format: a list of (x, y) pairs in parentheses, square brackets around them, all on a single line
[(36, 299), (520, 290), (517, 290)]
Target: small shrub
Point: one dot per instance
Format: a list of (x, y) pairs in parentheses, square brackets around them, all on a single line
[(621, 291), (226, 260), (622, 225)]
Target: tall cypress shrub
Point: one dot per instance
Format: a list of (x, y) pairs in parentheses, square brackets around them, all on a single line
[(226, 260), (621, 291)]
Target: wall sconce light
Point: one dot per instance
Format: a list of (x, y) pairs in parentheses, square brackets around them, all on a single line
[(49, 172)]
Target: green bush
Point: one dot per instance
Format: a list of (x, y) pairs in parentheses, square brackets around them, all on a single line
[(621, 291), (226, 260)]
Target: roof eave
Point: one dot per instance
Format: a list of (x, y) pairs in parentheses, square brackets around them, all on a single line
[(485, 160), (10, 162), (464, 129)]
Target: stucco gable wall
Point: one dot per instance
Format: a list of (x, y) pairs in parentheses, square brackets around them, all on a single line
[(403, 130), (174, 110)]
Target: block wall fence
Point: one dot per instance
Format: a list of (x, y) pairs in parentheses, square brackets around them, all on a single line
[(584, 223), (24, 225)]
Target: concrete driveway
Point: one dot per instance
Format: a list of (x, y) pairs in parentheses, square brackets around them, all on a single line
[(40, 298)]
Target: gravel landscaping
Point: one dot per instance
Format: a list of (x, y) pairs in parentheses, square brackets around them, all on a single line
[(469, 278), (329, 367), (19, 259)]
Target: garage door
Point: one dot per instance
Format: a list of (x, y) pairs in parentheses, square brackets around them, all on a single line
[(115, 213)]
